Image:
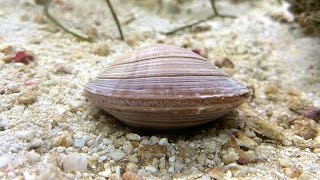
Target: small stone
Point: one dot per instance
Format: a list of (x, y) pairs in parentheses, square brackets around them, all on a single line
[(178, 165), (171, 170), (85, 149), (147, 153), (132, 167), (53, 172), (79, 142), (224, 63), (27, 98), (63, 68), (127, 147), (33, 157), (306, 128), (307, 176), (131, 176), (163, 141), (2, 63), (106, 173), (75, 162), (154, 140), (210, 146), (26, 135), (133, 137), (13, 87), (151, 169), (75, 104), (101, 50), (266, 128), (230, 156), (241, 50), (216, 173), (292, 172), (172, 159), (4, 161), (119, 142), (117, 155), (244, 141), (6, 49), (60, 149), (311, 112)]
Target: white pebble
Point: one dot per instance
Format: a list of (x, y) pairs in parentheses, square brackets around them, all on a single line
[(117, 155), (154, 140), (171, 170), (13, 87), (85, 149), (25, 135), (79, 142), (133, 137), (172, 159), (4, 161), (163, 141), (75, 162), (118, 171), (127, 147), (106, 173), (60, 149), (206, 177), (33, 157), (151, 169)]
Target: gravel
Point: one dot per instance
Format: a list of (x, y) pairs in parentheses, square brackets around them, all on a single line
[(25, 135)]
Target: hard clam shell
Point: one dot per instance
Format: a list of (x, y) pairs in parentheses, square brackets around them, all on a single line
[(165, 87)]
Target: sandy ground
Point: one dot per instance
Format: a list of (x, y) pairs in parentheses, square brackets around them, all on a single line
[(49, 131)]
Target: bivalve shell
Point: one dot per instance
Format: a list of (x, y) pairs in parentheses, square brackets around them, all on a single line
[(165, 87)]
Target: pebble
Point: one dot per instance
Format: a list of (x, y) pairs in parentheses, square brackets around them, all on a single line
[(178, 165), (26, 135), (172, 159), (13, 87), (101, 50), (33, 157), (133, 137), (106, 173), (75, 162), (60, 149), (117, 155), (154, 140), (127, 147), (241, 50), (79, 142), (163, 141), (292, 172), (132, 167), (62, 68), (230, 157), (27, 98), (85, 149), (6, 49), (4, 161), (171, 170), (2, 63), (131, 176), (151, 169)]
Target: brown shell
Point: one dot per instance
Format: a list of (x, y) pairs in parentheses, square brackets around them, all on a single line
[(165, 87)]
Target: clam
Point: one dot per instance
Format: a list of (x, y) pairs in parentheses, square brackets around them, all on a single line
[(165, 87)]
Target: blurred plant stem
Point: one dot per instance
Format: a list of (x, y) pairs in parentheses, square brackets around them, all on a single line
[(115, 19), (55, 21), (215, 14)]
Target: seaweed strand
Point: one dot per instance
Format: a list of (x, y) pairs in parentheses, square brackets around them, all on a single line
[(115, 19), (215, 14), (56, 22)]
